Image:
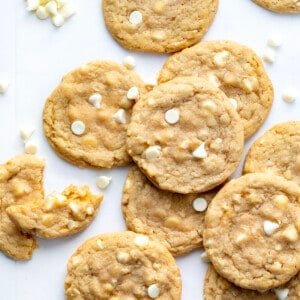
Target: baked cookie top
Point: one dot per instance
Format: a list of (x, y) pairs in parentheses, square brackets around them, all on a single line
[(122, 265), (176, 220), (277, 151), (257, 219), (280, 6), (20, 181), (235, 69), (159, 25), (185, 136), (217, 287), (86, 117), (59, 214)]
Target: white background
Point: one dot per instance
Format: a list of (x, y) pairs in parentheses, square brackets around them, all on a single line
[(34, 55)]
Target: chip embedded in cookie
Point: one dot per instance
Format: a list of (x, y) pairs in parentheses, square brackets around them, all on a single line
[(277, 151), (235, 69), (122, 265), (59, 214), (257, 219), (185, 136), (280, 6), (86, 117), (20, 181), (176, 220), (158, 25)]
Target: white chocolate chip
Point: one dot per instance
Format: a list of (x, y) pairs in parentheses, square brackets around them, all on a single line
[(270, 227), (78, 127), (241, 237), (30, 147), (200, 152), (233, 102), (32, 5), (99, 244), (158, 35), (129, 62), (51, 7), (26, 133), (90, 210), (68, 10), (141, 240), (136, 18), (200, 204), (74, 207), (214, 80), (72, 224), (42, 13), (269, 56), (291, 234), (58, 20), (275, 40), (282, 294), (103, 182), (76, 260), (95, 99), (204, 257), (153, 152), (281, 201), (153, 291), (133, 93), (219, 58), (289, 95), (172, 116), (209, 105), (248, 85), (123, 257), (3, 85), (120, 116)]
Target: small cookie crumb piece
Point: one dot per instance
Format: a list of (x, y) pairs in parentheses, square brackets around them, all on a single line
[(172, 116), (270, 227), (281, 201), (282, 294), (42, 13), (103, 182), (209, 105), (78, 127), (3, 85), (153, 291), (141, 240), (51, 7), (200, 204), (269, 56), (95, 99), (289, 95), (129, 62), (200, 152), (204, 257), (219, 58), (58, 20), (120, 116), (275, 40), (133, 93), (136, 18), (26, 133), (291, 234), (233, 102), (32, 5), (123, 257), (153, 152), (30, 148)]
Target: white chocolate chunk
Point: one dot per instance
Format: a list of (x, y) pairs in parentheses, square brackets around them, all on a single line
[(281, 201), (291, 234), (269, 56), (204, 257), (248, 85), (172, 116), (103, 182), (30, 147), (72, 224), (282, 294), (99, 244), (42, 13), (153, 152), (200, 152), (241, 237), (141, 240), (214, 80), (32, 5), (220, 58), (51, 7), (200, 204), (209, 105), (289, 95), (136, 18), (233, 102), (153, 291), (74, 207), (275, 40), (95, 99), (120, 116), (68, 10), (123, 257), (270, 227), (90, 210), (58, 20), (76, 260), (26, 133), (129, 62), (3, 85), (78, 127), (133, 93)]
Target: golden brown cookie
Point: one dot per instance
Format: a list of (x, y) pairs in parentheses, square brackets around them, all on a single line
[(277, 151), (122, 265), (185, 136), (176, 220), (251, 232), (20, 182), (235, 69), (59, 214), (159, 25), (280, 6), (86, 117)]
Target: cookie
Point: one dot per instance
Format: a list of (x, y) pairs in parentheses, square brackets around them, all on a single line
[(59, 214), (20, 181), (277, 151), (280, 6), (185, 136), (257, 219), (218, 288), (160, 25), (122, 265), (235, 69), (86, 117), (176, 220)]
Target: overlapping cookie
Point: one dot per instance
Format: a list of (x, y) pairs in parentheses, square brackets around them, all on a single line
[(280, 6)]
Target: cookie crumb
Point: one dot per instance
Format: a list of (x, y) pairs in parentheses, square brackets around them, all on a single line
[(103, 182)]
